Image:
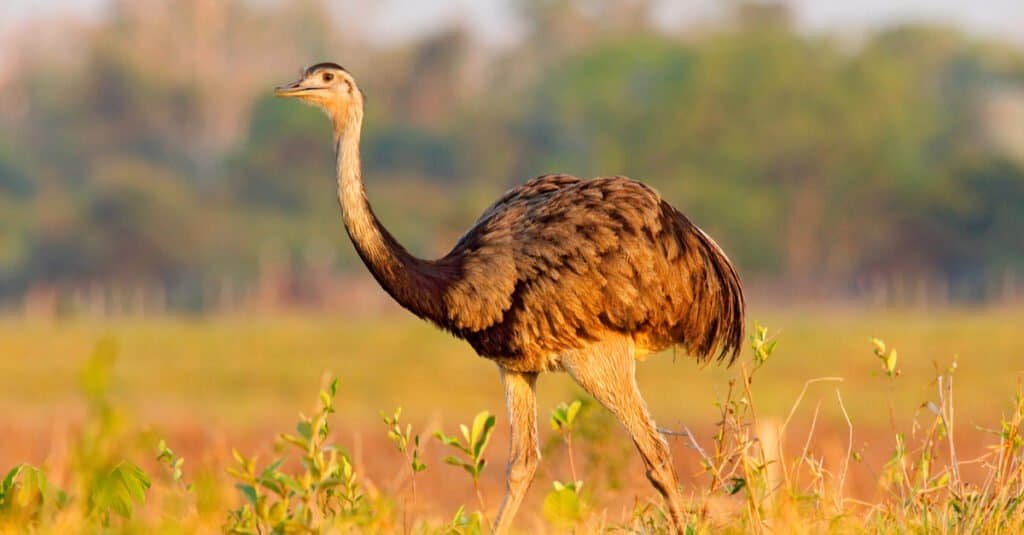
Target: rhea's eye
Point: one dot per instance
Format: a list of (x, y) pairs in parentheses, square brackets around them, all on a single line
[(328, 77)]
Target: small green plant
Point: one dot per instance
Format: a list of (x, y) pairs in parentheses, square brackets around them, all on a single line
[(563, 417), (402, 438), (181, 500), (887, 356), (118, 491), (737, 462), (173, 464), (762, 344), (109, 483), (27, 498), (104, 485), (471, 447), (324, 496), (564, 505), (464, 523)]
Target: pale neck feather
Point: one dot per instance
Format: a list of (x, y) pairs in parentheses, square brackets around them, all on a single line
[(411, 281)]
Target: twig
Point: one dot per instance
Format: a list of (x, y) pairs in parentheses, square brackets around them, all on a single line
[(782, 430), (480, 498), (946, 413), (572, 464), (803, 392), (720, 441), (807, 443), (849, 453), (688, 434)]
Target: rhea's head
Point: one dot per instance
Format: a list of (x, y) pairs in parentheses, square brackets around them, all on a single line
[(329, 87)]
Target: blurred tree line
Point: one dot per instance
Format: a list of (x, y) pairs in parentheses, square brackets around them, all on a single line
[(146, 147)]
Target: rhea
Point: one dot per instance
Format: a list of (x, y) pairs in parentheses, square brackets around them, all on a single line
[(559, 274)]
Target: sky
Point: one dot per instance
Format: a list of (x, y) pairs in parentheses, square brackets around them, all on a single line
[(398, 19)]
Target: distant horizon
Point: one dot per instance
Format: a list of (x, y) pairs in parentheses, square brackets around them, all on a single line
[(400, 20)]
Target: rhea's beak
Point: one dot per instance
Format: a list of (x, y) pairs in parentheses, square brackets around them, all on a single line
[(293, 89)]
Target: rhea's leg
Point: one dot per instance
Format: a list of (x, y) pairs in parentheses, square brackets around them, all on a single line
[(524, 452), (607, 372)]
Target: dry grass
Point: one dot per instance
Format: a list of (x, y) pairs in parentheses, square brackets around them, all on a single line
[(782, 446)]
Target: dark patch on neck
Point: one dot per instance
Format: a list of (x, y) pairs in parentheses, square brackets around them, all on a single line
[(324, 65)]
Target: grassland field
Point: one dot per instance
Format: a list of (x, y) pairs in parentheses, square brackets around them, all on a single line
[(212, 383)]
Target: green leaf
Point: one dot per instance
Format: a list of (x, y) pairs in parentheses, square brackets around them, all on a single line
[(301, 443), (458, 515), (478, 427), (33, 483), (121, 488), (176, 468), (325, 484), (8, 481), (163, 452), (277, 512), (272, 484), (134, 480), (62, 498), (482, 426), (248, 492), (563, 506), (34, 479), (559, 417), (451, 441), (445, 439), (454, 461), (326, 402), (574, 409), (890, 362), (304, 430), (294, 484), (269, 470)]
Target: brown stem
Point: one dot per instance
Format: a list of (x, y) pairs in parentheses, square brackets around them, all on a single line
[(572, 464), (405, 515), (480, 498), (716, 481)]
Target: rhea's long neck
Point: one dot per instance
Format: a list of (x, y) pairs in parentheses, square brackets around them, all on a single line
[(409, 280)]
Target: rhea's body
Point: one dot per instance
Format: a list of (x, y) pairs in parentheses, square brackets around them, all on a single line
[(559, 263), (581, 276)]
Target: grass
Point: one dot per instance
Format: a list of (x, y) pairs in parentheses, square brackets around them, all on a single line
[(212, 383), (233, 367)]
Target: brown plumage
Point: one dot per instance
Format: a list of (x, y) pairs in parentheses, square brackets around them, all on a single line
[(559, 274), (559, 263)]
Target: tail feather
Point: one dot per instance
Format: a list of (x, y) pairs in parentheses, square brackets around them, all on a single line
[(724, 305), (713, 326)]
